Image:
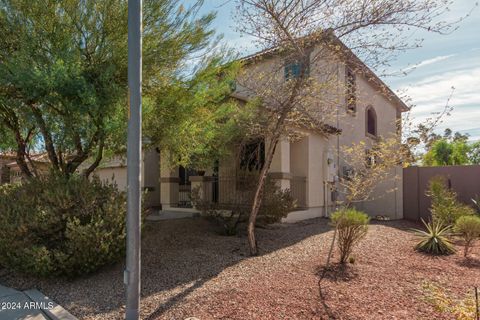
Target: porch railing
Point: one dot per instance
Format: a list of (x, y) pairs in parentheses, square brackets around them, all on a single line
[(229, 191), (298, 187), (184, 196)]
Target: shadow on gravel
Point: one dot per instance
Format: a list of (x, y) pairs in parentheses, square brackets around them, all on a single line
[(198, 253), (469, 262), (338, 272), (335, 272), (178, 256)]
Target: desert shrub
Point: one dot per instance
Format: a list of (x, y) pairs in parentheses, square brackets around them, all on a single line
[(469, 229), (351, 226), (445, 205), (54, 226), (445, 303), (435, 240), (276, 204)]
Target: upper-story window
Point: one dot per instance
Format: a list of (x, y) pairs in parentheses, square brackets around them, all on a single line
[(371, 121), (351, 90), (295, 69)]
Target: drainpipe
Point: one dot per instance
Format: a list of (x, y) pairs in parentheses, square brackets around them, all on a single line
[(338, 135), (325, 197)]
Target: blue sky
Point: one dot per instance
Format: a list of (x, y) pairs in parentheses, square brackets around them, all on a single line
[(444, 61)]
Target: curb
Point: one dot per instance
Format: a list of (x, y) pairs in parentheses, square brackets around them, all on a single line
[(57, 312)]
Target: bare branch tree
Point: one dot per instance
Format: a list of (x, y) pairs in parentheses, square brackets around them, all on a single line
[(320, 35)]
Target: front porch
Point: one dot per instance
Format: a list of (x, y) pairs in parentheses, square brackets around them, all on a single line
[(303, 167)]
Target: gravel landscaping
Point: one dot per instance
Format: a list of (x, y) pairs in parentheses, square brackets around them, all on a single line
[(189, 270)]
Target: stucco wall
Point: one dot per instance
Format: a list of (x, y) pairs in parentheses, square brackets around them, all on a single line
[(386, 200), (117, 171), (116, 174), (307, 155)]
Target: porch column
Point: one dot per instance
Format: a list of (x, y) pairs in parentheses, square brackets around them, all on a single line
[(316, 147), (280, 167), (169, 180)]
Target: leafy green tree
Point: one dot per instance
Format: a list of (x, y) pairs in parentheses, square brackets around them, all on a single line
[(63, 73), (446, 153), (7, 141), (194, 120), (474, 153)]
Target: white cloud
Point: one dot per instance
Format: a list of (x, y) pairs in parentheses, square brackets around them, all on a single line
[(431, 93), (427, 62)]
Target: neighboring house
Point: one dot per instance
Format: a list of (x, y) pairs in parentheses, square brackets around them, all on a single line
[(115, 170), (309, 167), (10, 171)]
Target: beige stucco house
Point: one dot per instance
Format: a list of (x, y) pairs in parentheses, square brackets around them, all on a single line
[(10, 172), (309, 166)]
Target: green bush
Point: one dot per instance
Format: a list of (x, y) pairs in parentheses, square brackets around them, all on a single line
[(351, 226), (435, 239), (276, 204), (469, 229), (54, 226), (445, 206)]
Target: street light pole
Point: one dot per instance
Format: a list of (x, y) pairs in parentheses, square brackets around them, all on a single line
[(134, 159)]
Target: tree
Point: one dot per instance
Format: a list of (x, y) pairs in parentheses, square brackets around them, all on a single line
[(449, 150), (194, 120), (372, 29), (370, 169), (63, 73), (474, 153)]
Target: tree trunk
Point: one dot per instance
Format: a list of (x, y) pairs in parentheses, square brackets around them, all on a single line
[(47, 138), (257, 200), (87, 172), (21, 155)]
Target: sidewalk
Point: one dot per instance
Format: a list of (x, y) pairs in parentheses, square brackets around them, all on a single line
[(31, 305)]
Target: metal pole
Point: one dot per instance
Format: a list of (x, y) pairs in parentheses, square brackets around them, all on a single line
[(477, 310), (134, 159)]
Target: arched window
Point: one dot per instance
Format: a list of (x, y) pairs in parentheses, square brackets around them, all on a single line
[(371, 121)]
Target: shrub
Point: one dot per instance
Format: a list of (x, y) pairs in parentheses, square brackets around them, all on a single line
[(445, 205), (276, 204), (469, 229), (435, 239), (351, 226), (54, 226), (444, 302)]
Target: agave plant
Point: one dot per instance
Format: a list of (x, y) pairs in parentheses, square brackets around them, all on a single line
[(435, 239), (476, 202)]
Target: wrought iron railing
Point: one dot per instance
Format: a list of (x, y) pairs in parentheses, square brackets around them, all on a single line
[(298, 187), (228, 191), (184, 196)]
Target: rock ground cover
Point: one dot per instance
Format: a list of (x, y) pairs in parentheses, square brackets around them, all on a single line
[(189, 270)]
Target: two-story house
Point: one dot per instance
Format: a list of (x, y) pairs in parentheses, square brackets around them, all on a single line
[(365, 109)]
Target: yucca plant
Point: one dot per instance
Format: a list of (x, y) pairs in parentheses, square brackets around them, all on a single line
[(435, 239)]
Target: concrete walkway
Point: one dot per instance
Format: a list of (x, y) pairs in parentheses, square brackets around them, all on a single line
[(29, 305), (172, 214)]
